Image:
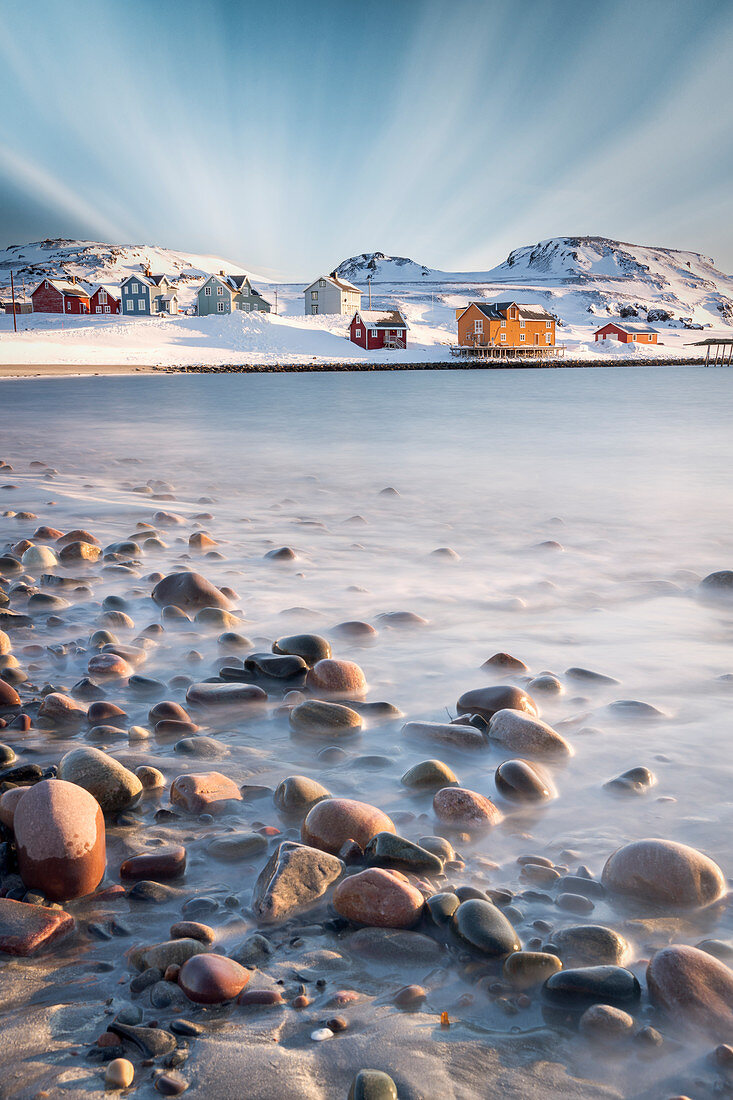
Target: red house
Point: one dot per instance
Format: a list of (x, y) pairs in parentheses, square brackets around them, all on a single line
[(60, 296), (626, 334), (378, 328), (104, 299)]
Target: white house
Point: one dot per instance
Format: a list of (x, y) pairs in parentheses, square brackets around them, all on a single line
[(331, 294)]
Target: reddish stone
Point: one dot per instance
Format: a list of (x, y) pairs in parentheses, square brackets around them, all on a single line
[(260, 997), (212, 979), (59, 834), (190, 592), (108, 664), (168, 710), (47, 533), (695, 988), (79, 551), (334, 677), (204, 793), (25, 929), (333, 821), (101, 712), (9, 698), (77, 536), (487, 701), (191, 929), (378, 898), (60, 708), (463, 808), (8, 802), (158, 865)]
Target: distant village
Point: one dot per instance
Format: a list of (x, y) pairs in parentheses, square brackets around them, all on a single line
[(484, 330)]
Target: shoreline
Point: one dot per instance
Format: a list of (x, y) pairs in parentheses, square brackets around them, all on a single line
[(11, 371)]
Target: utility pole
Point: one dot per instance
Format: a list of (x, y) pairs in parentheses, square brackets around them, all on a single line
[(369, 281), (276, 301), (12, 295)]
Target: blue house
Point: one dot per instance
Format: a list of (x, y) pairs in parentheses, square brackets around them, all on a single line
[(147, 296)]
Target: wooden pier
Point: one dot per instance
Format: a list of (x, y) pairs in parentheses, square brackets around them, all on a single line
[(503, 353), (722, 345)]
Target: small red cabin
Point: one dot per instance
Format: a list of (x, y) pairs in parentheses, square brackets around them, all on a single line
[(104, 300), (626, 334), (378, 328), (60, 296)]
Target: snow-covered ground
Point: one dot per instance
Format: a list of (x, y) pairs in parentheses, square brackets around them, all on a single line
[(584, 282)]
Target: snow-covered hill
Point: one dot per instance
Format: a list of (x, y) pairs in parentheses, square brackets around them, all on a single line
[(93, 262), (572, 277)]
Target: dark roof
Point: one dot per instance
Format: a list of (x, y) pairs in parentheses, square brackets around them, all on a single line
[(497, 311), (157, 279), (382, 318), (711, 341), (627, 326)]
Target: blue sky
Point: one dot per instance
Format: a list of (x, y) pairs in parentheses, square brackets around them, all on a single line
[(288, 136)]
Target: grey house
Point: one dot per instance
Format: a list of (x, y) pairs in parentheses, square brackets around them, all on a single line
[(223, 293), (331, 294), (147, 296)]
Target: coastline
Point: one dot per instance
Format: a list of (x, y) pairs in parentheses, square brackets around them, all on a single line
[(9, 371)]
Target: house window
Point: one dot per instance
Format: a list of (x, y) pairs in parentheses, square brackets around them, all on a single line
[(314, 309), (478, 328), (321, 282), (503, 337), (98, 309), (102, 297), (246, 307), (106, 309), (133, 288), (219, 307), (513, 315), (548, 324), (140, 304), (503, 323), (68, 307), (548, 338), (314, 295), (207, 291), (521, 324), (521, 337), (220, 290), (357, 333), (46, 284)]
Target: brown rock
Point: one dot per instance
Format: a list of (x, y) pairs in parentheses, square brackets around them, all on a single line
[(158, 865), (486, 701), (5, 646), (315, 716), (26, 929), (226, 695), (108, 664), (694, 988), (59, 834), (61, 709), (462, 808), (525, 733), (8, 802), (79, 552), (505, 661), (212, 979), (334, 677), (193, 930), (190, 592), (207, 792), (200, 541), (119, 1074), (77, 536), (335, 820), (9, 698), (378, 898), (294, 877), (664, 871)]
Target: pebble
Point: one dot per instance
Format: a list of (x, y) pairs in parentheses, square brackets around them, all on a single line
[(606, 1024), (333, 677), (461, 808), (119, 1074), (580, 988), (372, 1084), (487, 701), (591, 945), (8, 801), (114, 787), (310, 647), (522, 781), (333, 821), (189, 592), (225, 695), (447, 733), (158, 865), (378, 898), (79, 551), (237, 846), (429, 773), (60, 837), (297, 794), (207, 792), (170, 1084), (321, 1034), (546, 684), (150, 777), (694, 988), (484, 928), (390, 850), (666, 872), (521, 732), (395, 947), (315, 716), (9, 698), (27, 929), (505, 662), (212, 979), (525, 969), (634, 781), (294, 878)]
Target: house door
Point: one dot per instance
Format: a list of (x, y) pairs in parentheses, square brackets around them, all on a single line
[(537, 338)]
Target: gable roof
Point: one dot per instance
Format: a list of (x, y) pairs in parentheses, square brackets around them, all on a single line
[(64, 286), (527, 311), (110, 289), (627, 326), (334, 280), (152, 281), (382, 318)]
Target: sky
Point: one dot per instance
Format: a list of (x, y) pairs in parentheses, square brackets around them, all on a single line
[(288, 136)]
